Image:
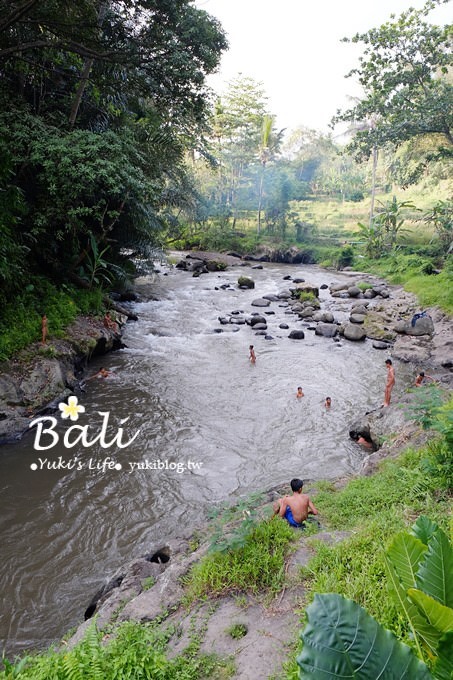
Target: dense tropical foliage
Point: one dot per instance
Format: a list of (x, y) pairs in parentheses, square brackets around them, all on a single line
[(99, 101)]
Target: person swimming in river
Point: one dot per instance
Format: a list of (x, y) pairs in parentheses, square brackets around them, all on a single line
[(252, 355), (296, 508), (328, 403), (102, 373), (299, 393)]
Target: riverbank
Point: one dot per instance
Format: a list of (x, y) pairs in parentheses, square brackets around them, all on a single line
[(41, 375), (229, 600), (171, 342)]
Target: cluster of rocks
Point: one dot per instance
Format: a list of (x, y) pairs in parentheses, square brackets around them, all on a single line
[(199, 266), (370, 316)]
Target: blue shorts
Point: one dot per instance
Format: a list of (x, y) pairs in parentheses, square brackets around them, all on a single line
[(290, 519)]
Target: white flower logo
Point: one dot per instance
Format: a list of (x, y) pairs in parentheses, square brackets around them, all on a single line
[(71, 409)]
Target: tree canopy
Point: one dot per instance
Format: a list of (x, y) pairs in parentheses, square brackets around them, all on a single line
[(98, 101), (406, 78)]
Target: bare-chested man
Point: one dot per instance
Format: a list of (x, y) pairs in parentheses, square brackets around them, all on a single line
[(390, 382), (296, 508)]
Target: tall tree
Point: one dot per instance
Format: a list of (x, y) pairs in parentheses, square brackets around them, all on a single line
[(238, 128), (269, 146), (403, 74)]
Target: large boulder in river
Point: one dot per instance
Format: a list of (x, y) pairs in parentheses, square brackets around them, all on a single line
[(246, 282), (256, 318), (357, 318), (417, 326), (354, 291), (328, 330), (261, 302), (354, 332), (305, 288), (297, 335)]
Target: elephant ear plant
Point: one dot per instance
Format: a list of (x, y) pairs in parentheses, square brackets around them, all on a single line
[(341, 640)]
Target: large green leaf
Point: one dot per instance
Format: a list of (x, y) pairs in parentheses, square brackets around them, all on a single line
[(434, 576), (443, 668), (424, 529), (423, 632), (341, 640), (438, 615), (406, 553)]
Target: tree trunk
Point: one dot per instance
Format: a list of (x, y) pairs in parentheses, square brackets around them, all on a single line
[(87, 66), (373, 184), (80, 90), (260, 200)]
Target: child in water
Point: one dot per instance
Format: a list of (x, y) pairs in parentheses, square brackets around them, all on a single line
[(328, 402), (299, 393), (252, 356)]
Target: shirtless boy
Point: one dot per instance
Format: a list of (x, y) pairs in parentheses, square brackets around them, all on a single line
[(296, 508), (252, 356), (390, 382), (422, 379), (299, 393)]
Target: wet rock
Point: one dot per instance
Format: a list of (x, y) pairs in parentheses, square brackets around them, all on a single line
[(357, 318), (298, 280), (246, 282), (284, 326), (327, 330), (261, 302), (354, 291), (306, 288), (339, 287), (284, 295), (272, 298), (323, 286), (369, 294), (257, 266), (359, 309), (422, 326), (307, 312), (378, 344), (325, 317), (296, 335), (259, 326), (256, 318), (354, 332)]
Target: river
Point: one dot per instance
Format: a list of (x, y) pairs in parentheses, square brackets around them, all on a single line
[(217, 426)]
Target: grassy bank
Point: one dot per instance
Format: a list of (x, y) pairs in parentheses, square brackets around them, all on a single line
[(20, 320), (248, 556)]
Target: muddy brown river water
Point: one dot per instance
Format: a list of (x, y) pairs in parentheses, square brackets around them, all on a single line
[(209, 428)]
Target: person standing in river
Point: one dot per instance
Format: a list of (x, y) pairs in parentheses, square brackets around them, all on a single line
[(252, 355), (390, 382)]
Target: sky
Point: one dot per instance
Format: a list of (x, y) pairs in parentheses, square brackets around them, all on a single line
[(294, 48)]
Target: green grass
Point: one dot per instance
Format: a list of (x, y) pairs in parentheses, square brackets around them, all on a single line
[(135, 651), (407, 270), (20, 321), (257, 566)]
